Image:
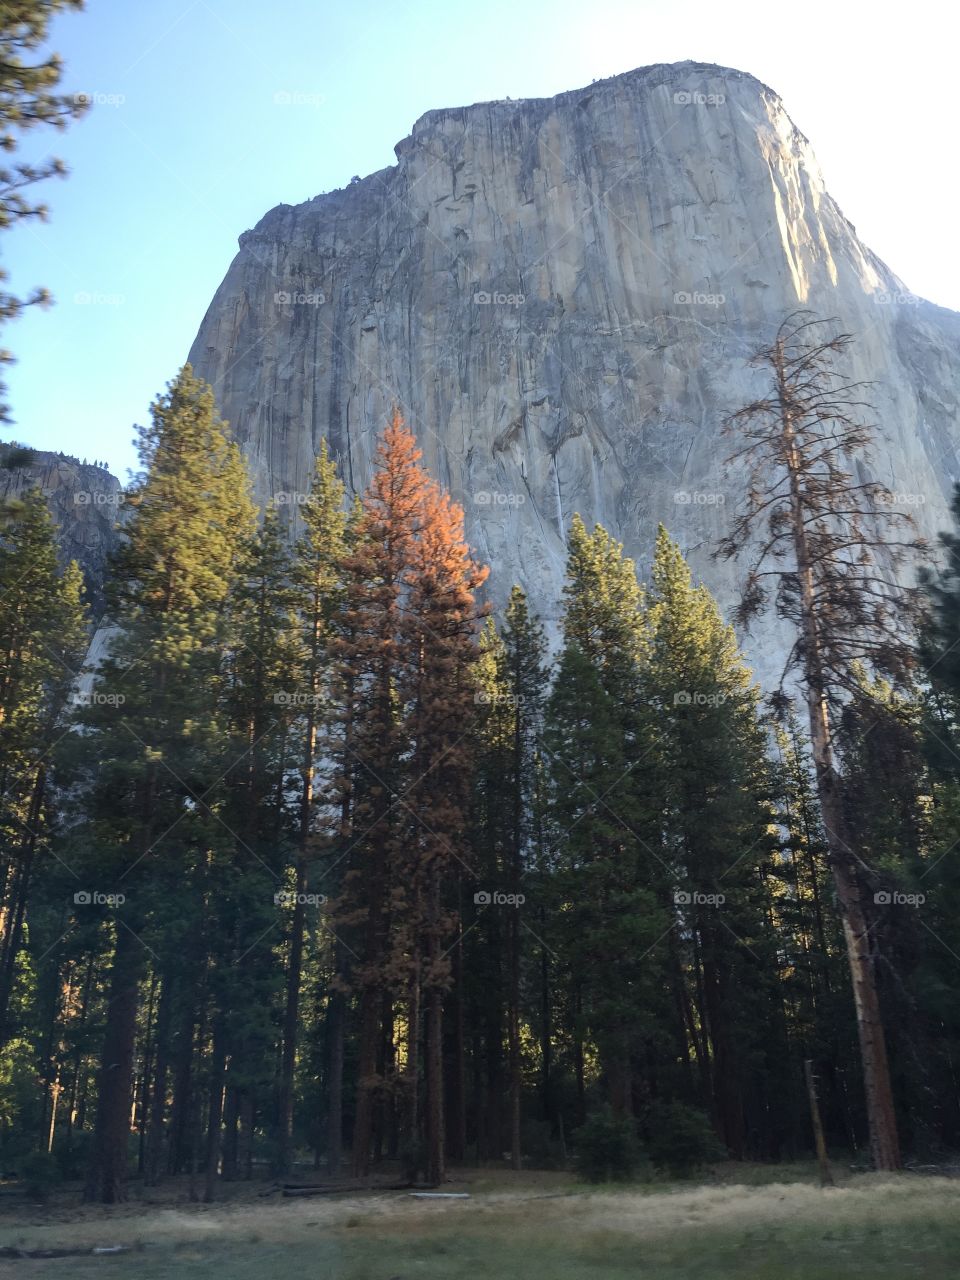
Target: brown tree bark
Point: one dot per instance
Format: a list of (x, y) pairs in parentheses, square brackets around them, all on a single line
[(107, 1177), (881, 1116)]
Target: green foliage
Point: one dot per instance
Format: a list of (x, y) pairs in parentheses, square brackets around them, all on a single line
[(607, 1148), (39, 1174), (680, 1139), (28, 98)]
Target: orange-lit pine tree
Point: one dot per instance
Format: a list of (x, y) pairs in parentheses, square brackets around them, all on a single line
[(407, 637)]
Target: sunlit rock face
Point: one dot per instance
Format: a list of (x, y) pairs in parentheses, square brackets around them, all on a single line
[(562, 295), (86, 502)]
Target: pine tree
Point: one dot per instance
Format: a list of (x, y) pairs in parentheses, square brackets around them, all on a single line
[(441, 623), (610, 894), (718, 824), (828, 544), (318, 574), (43, 636), (523, 685), (28, 98), (155, 726), (406, 649), (264, 700), (372, 654)]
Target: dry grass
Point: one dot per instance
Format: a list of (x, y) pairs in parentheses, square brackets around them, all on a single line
[(521, 1227)]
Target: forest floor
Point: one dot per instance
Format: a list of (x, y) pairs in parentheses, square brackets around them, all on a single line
[(758, 1223)]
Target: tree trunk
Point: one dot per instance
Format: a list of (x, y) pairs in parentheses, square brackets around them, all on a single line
[(434, 1079), (153, 1158), (290, 1026), (366, 1079), (336, 1026), (107, 1175), (18, 904), (881, 1116), (214, 1112)]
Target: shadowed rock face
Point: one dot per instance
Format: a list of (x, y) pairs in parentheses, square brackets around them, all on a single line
[(85, 501), (562, 294)]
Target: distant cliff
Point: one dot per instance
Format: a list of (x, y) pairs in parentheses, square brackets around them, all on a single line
[(84, 500)]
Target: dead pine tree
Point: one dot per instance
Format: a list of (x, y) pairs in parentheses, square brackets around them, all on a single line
[(824, 545)]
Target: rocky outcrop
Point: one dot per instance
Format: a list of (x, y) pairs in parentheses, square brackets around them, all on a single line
[(85, 501), (562, 295)]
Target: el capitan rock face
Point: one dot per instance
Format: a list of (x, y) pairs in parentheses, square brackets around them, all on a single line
[(562, 294)]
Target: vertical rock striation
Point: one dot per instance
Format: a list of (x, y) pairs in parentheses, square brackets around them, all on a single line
[(562, 294)]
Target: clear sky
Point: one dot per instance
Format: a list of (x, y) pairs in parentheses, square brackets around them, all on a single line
[(191, 141)]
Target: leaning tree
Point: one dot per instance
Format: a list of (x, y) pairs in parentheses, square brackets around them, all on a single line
[(824, 544)]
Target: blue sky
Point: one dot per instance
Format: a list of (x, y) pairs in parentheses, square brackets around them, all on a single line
[(191, 141)]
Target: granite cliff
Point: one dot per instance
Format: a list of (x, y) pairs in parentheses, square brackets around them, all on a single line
[(562, 294)]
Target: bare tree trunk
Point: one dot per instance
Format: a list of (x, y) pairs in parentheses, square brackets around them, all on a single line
[(215, 1112), (546, 1030), (366, 1079), (107, 1176), (436, 1168), (881, 1116), (146, 1076), (458, 1101), (336, 1027), (513, 1038), (18, 903), (231, 1136), (291, 1018), (826, 1177), (153, 1158)]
